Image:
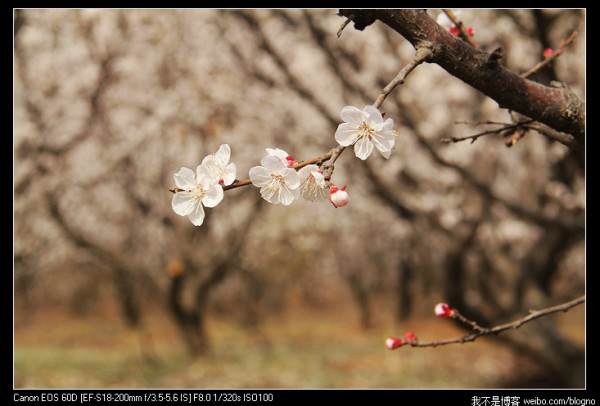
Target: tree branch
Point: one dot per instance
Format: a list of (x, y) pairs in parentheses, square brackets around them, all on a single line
[(555, 106), (479, 331)]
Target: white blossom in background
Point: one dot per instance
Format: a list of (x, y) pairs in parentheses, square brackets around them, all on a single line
[(366, 129), (312, 183), (218, 164), (277, 182), (194, 191), (445, 21)]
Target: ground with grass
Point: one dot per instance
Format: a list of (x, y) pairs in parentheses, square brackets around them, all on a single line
[(295, 351)]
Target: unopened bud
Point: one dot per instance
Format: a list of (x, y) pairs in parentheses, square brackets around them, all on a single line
[(392, 343), (443, 310), (338, 197), (410, 337)]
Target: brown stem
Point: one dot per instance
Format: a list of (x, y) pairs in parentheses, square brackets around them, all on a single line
[(481, 331)]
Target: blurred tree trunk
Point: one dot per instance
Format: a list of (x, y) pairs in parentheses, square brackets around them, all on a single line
[(191, 317)]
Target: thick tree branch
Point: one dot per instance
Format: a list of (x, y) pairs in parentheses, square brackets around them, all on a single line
[(555, 106)]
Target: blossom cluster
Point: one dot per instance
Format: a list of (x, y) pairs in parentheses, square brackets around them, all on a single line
[(203, 188), (279, 176), (280, 182)]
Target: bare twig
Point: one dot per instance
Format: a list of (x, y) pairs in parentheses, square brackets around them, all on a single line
[(481, 331), (422, 54), (505, 128)]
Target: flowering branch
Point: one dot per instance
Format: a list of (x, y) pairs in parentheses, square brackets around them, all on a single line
[(443, 310), (557, 107), (280, 177)]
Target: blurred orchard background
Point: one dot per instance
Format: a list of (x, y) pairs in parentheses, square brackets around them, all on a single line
[(113, 289)]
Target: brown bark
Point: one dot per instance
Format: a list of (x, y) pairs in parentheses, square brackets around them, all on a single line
[(555, 106)]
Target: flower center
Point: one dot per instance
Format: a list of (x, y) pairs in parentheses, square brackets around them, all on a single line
[(197, 193), (365, 131), (277, 180)]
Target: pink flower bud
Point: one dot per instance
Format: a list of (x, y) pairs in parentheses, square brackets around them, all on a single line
[(410, 337), (392, 343), (548, 52), (456, 31), (443, 310), (290, 160), (338, 197)]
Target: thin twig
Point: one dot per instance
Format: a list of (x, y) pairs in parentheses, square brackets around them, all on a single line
[(422, 54), (481, 331), (556, 54), (474, 137)]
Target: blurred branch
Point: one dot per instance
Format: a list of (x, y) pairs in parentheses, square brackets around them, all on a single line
[(555, 106), (482, 331)]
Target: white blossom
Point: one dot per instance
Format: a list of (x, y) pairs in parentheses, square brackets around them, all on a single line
[(281, 154), (312, 183), (218, 164), (278, 183), (366, 129), (195, 190)]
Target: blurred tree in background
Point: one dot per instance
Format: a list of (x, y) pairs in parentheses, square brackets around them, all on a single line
[(109, 104)]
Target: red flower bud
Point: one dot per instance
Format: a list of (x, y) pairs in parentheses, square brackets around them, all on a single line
[(290, 160), (443, 310), (338, 197), (410, 337), (392, 343)]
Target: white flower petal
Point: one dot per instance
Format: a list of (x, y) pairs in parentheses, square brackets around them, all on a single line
[(279, 153), (259, 176), (205, 177), (291, 178), (319, 178), (213, 196), (183, 203), (270, 194), (274, 164), (229, 174), (363, 148), (185, 179), (374, 117), (352, 115), (222, 155), (287, 195), (197, 215), (384, 142), (346, 134), (305, 171)]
